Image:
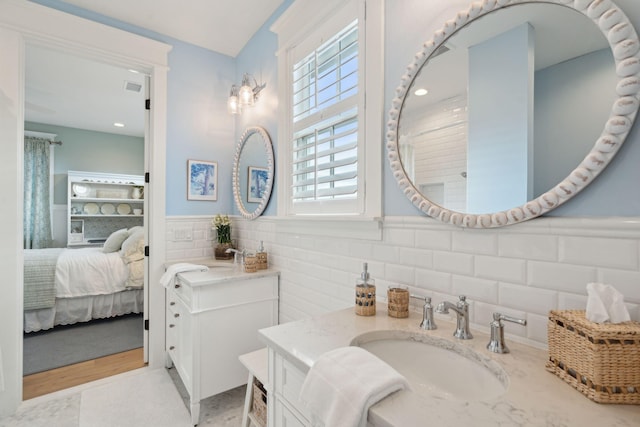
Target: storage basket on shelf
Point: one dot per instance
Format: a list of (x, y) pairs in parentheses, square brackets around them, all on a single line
[(259, 404), (602, 361)]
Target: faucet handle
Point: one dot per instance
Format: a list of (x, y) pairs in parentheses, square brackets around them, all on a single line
[(497, 317), (420, 297), (497, 343), (428, 323)]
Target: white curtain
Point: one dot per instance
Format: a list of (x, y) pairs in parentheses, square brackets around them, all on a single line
[(37, 207)]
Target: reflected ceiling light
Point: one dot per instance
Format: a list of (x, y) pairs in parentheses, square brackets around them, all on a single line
[(118, 125), (244, 96), (421, 92)]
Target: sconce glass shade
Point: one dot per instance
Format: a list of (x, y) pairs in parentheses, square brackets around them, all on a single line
[(245, 94), (233, 105)]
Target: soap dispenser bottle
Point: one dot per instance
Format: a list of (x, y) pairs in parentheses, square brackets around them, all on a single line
[(365, 294), (262, 257)]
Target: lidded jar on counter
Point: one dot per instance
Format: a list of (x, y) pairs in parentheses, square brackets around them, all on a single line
[(398, 301), (365, 294), (250, 262), (261, 254)]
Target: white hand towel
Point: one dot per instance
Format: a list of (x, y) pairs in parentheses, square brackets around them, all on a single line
[(343, 383), (605, 304), (181, 267)]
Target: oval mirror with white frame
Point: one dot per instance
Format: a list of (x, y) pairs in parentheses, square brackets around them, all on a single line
[(253, 172), (502, 134)]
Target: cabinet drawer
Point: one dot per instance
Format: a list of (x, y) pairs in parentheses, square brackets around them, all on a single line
[(182, 290), (289, 380), (285, 417), (235, 292)]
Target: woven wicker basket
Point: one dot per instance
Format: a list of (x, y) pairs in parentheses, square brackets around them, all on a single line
[(259, 404), (602, 361), (398, 302), (250, 264)]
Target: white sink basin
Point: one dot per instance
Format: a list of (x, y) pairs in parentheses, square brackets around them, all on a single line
[(219, 266), (435, 367)]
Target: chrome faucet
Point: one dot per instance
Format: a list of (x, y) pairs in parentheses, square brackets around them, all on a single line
[(427, 314), (497, 344), (462, 316), (238, 256)]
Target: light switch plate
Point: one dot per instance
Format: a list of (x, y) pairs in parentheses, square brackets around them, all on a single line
[(183, 234)]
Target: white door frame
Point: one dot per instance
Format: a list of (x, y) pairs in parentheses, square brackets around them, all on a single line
[(23, 23)]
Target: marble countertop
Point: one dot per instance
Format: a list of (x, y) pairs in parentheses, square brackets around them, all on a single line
[(535, 397), (219, 272)]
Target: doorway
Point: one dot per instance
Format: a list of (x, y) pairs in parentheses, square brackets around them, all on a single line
[(27, 22), (95, 113)]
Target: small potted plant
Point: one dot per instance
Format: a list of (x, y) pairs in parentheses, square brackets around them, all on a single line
[(222, 225)]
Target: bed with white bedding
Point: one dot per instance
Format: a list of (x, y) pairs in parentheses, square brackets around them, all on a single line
[(65, 286)]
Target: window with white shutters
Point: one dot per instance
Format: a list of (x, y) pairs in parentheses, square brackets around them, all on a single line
[(325, 127), (325, 121)]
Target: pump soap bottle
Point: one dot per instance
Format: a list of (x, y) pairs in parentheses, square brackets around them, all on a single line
[(365, 294)]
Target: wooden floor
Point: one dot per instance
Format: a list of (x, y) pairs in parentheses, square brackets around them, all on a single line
[(41, 383)]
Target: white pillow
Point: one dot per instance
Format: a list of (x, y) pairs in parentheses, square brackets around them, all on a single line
[(115, 240), (135, 229), (133, 247), (136, 274)]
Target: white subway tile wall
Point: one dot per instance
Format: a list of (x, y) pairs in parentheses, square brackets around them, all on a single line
[(523, 270)]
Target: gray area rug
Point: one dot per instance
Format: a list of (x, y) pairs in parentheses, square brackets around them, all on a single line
[(65, 345)]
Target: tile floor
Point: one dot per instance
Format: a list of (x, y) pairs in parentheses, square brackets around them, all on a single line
[(141, 398)]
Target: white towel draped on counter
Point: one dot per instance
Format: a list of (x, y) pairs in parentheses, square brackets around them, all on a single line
[(343, 383), (181, 267)]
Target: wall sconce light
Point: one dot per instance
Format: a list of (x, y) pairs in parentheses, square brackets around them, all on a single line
[(245, 95), (233, 106)]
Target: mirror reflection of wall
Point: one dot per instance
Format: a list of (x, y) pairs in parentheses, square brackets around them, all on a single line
[(253, 156), (573, 90), (253, 172)]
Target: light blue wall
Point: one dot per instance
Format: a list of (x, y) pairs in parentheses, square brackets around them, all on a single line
[(84, 150), (258, 57), (198, 125), (567, 119)]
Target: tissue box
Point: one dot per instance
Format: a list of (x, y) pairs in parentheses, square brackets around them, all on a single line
[(602, 361)]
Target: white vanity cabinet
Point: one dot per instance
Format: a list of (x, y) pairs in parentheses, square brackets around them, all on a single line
[(285, 408), (212, 318)]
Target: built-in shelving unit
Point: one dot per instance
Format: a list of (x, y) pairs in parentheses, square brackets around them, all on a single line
[(100, 203)]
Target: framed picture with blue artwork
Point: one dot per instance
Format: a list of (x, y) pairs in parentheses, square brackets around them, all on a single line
[(256, 183), (202, 180)]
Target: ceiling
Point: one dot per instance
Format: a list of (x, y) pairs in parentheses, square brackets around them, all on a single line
[(66, 90), (221, 26)]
